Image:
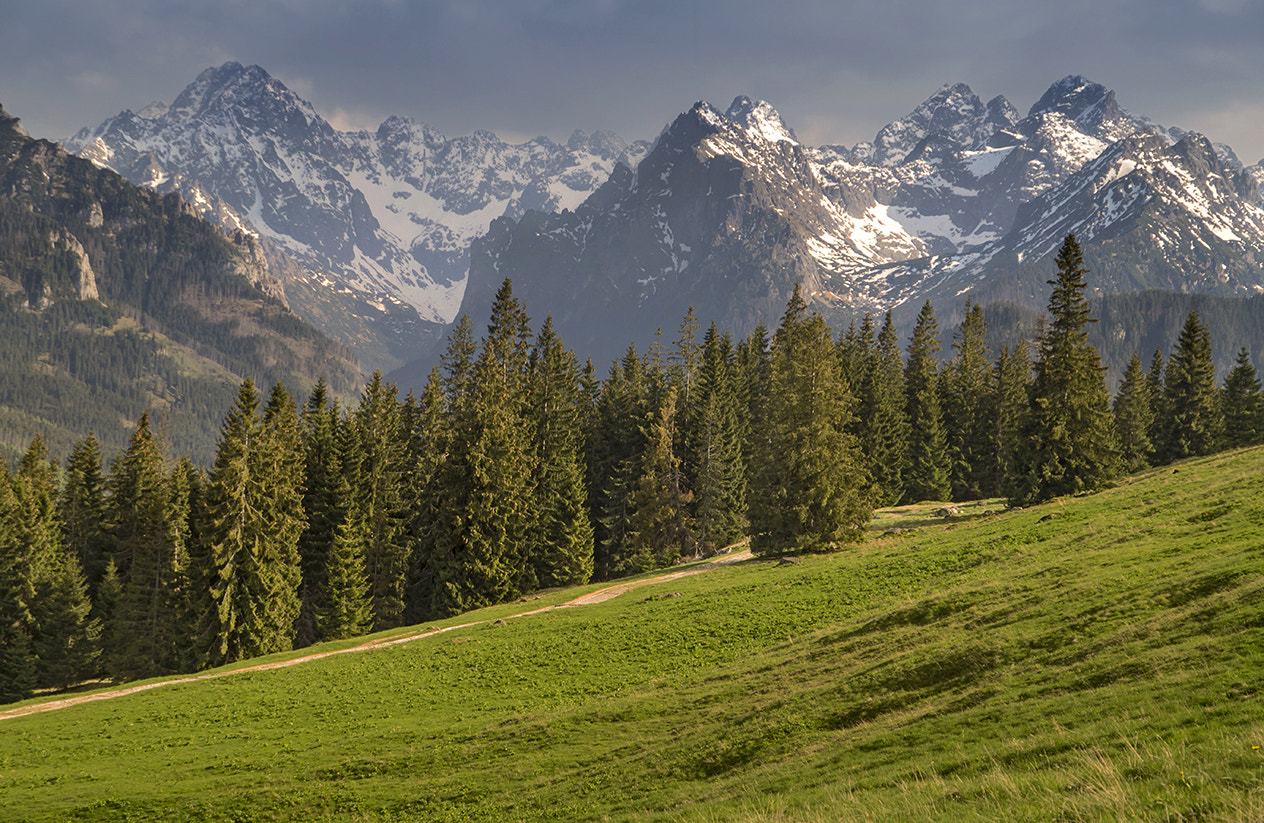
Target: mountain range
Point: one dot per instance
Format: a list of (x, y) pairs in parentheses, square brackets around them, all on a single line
[(397, 231), (116, 301), (380, 222), (960, 199)]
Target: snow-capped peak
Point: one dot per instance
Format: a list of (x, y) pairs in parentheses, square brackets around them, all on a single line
[(153, 111), (758, 117), (955, 112), (1070, 96)]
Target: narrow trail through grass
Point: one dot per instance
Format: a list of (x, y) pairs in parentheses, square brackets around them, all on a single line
[(407, 636), (1096, 658)]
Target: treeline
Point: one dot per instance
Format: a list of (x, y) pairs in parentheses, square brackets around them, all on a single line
[(516, 470)]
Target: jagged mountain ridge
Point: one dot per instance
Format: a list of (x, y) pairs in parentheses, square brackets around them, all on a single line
[(959, 199), (379, 220), (116, 300)]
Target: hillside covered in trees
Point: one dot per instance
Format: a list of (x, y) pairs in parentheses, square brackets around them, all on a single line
[(516, 470), (116, 301)]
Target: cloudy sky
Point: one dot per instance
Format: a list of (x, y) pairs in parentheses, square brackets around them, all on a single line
[(837, 71)]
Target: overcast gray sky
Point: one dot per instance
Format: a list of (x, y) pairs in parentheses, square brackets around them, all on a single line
[(837, 71)]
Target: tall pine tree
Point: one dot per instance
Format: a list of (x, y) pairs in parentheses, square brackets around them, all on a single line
[(346, 609), (252, 601), (151, 561), (967, 383), (562, 542), (378, 498), (323, 504), (487, 514), (614, 462), (809, 484), (63, 636), (1241, 405), (883, 427), (661, 532), (17, 658), (82, 509), (1191, 402), (927, 476), (1070, 433), (714, 468), (429, 442), (1134, 417), (1012, 409)]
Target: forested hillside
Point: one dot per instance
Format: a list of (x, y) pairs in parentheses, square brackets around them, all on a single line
[(517, 470), (115, 301)]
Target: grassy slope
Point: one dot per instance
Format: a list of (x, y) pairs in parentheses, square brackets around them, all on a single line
[(1105, 664)]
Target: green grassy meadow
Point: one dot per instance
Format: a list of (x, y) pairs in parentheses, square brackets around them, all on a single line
[(1096, 658)]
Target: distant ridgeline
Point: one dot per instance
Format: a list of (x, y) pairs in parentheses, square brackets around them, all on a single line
[(115, 301), (517, 470)]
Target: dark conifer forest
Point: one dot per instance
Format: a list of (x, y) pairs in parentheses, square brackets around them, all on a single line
[(518, 469)]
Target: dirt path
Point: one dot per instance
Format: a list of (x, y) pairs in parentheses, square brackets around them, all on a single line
[(599, 596)]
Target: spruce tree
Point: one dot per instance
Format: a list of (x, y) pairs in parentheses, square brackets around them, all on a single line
[(280, 463), (1012, 409), (429, 443), (883, 427), (437, 555), (1191, 401), (1133, 417), (106, 603), (927, 475), (252, 554), (855, 353), (346, 608), (967, 383), (151, 562), (82, 510), (615, 453), (487, 515), (714, 467), (502, 458), (63, 637), (39, 529), (660, 527), (1241, 405), (457, 364), (753, 374), (323, 505), (378, 500), (562, 542), (1070, 433), (1158, 409), (17, 658), (809, 479), (685, 361)]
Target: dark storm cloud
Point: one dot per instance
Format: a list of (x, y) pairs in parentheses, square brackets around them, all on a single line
[(837, 72)]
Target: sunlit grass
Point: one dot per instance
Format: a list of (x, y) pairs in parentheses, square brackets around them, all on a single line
[(1103, 664)]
